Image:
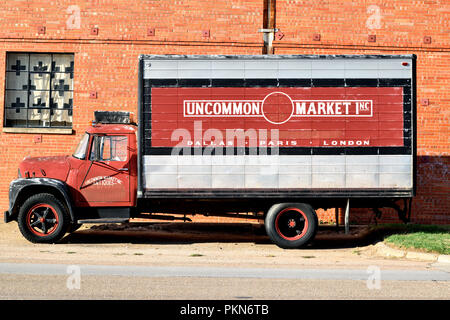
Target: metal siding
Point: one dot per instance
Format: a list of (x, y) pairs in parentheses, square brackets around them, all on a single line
[(362, 180), (227, 73), (328, 180), (261, 181), (228, 169), (194, 181), (394, 73), (360, 64), (328, 74), (268, 172), (298, 64), (160, 181), (282, 69), (328, 64), (161, 74), (294, 73), (394, 180), (228, 181), (295, 181), (363, 73)]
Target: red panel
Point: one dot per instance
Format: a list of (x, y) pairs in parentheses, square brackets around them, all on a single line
[(304, 117)]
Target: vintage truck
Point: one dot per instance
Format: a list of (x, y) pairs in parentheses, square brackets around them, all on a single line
[(276, 136)]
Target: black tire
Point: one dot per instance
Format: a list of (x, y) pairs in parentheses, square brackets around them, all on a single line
[(43, 219), (291, 225)]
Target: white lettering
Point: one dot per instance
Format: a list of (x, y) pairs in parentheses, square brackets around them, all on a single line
[(313, 108), (237, 108), (207, 105)]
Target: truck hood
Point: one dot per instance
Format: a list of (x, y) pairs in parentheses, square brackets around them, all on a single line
[(56, 167)]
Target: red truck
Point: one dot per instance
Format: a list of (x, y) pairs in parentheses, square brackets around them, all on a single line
[(277, 136)]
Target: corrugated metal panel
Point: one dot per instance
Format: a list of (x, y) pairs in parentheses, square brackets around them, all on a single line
[(293, 67), (284, 172)]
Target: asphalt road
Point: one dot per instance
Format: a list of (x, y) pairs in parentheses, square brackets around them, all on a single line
[(136, 264), (111, 282), (220, 272)]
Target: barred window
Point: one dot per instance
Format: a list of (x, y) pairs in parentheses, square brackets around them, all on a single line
[(39, 90)]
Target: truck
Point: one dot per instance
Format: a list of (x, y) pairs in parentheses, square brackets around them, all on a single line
[(269, 137)]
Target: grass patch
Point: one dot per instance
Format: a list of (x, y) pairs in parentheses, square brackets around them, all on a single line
[(196, 255), (428, 238), (138, 254), (308, 257)]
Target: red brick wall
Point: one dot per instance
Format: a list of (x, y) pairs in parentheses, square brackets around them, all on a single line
[(107, 62)]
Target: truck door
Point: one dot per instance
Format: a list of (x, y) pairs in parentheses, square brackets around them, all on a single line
[(104, 180)]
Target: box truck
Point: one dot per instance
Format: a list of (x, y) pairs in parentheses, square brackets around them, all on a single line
[(276, 137)]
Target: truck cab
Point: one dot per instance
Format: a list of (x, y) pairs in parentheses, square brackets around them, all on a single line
[(98, 181), (103, 167)]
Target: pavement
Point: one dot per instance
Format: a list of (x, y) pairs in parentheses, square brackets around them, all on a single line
[(212, 261), (221, 272), (327, 236)]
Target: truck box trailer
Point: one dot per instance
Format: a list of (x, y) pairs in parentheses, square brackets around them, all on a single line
[(276, 135)]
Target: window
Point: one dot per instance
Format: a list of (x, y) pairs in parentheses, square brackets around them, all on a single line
[(39, 90), (111, 148)]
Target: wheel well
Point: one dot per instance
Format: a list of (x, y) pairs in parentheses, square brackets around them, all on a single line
[(28, 191)]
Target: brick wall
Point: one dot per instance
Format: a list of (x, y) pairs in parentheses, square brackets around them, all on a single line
[(106, 62)]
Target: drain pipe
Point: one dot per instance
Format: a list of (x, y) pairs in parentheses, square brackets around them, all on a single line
[(268, 29)]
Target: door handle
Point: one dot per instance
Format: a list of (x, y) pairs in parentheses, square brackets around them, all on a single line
[(123, 169)]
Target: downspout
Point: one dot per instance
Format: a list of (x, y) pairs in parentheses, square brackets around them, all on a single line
[(268, 29)]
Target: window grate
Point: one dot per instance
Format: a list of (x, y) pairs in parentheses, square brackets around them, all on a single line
[(39, 90)]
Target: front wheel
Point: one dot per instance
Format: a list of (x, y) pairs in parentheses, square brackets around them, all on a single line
[(43, 219), (291, 225)]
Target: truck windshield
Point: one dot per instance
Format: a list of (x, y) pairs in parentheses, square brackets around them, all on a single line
[(80, 151)]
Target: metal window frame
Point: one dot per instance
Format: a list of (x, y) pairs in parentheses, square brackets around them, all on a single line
[(29, 90)]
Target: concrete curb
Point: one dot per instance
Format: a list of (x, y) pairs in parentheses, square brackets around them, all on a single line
[(383, 250)]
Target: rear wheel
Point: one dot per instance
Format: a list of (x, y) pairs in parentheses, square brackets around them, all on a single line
[(291, 225), (43, 219)]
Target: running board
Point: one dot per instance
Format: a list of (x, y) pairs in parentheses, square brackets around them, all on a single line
[(161, 217), (104, 220)]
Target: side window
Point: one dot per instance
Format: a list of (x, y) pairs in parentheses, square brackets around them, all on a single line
[(106, 153), (119, 148), (111, 148)]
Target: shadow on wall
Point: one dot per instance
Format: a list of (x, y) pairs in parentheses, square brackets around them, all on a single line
[(431, 205), (432, 201)]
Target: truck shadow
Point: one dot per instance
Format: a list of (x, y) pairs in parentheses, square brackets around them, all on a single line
[(188, 233)]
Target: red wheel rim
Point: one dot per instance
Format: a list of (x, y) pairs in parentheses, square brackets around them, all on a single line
[(291, 224), (42, 220)]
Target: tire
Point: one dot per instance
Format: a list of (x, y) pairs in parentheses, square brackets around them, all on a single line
[(43, 219), (291, 225)]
